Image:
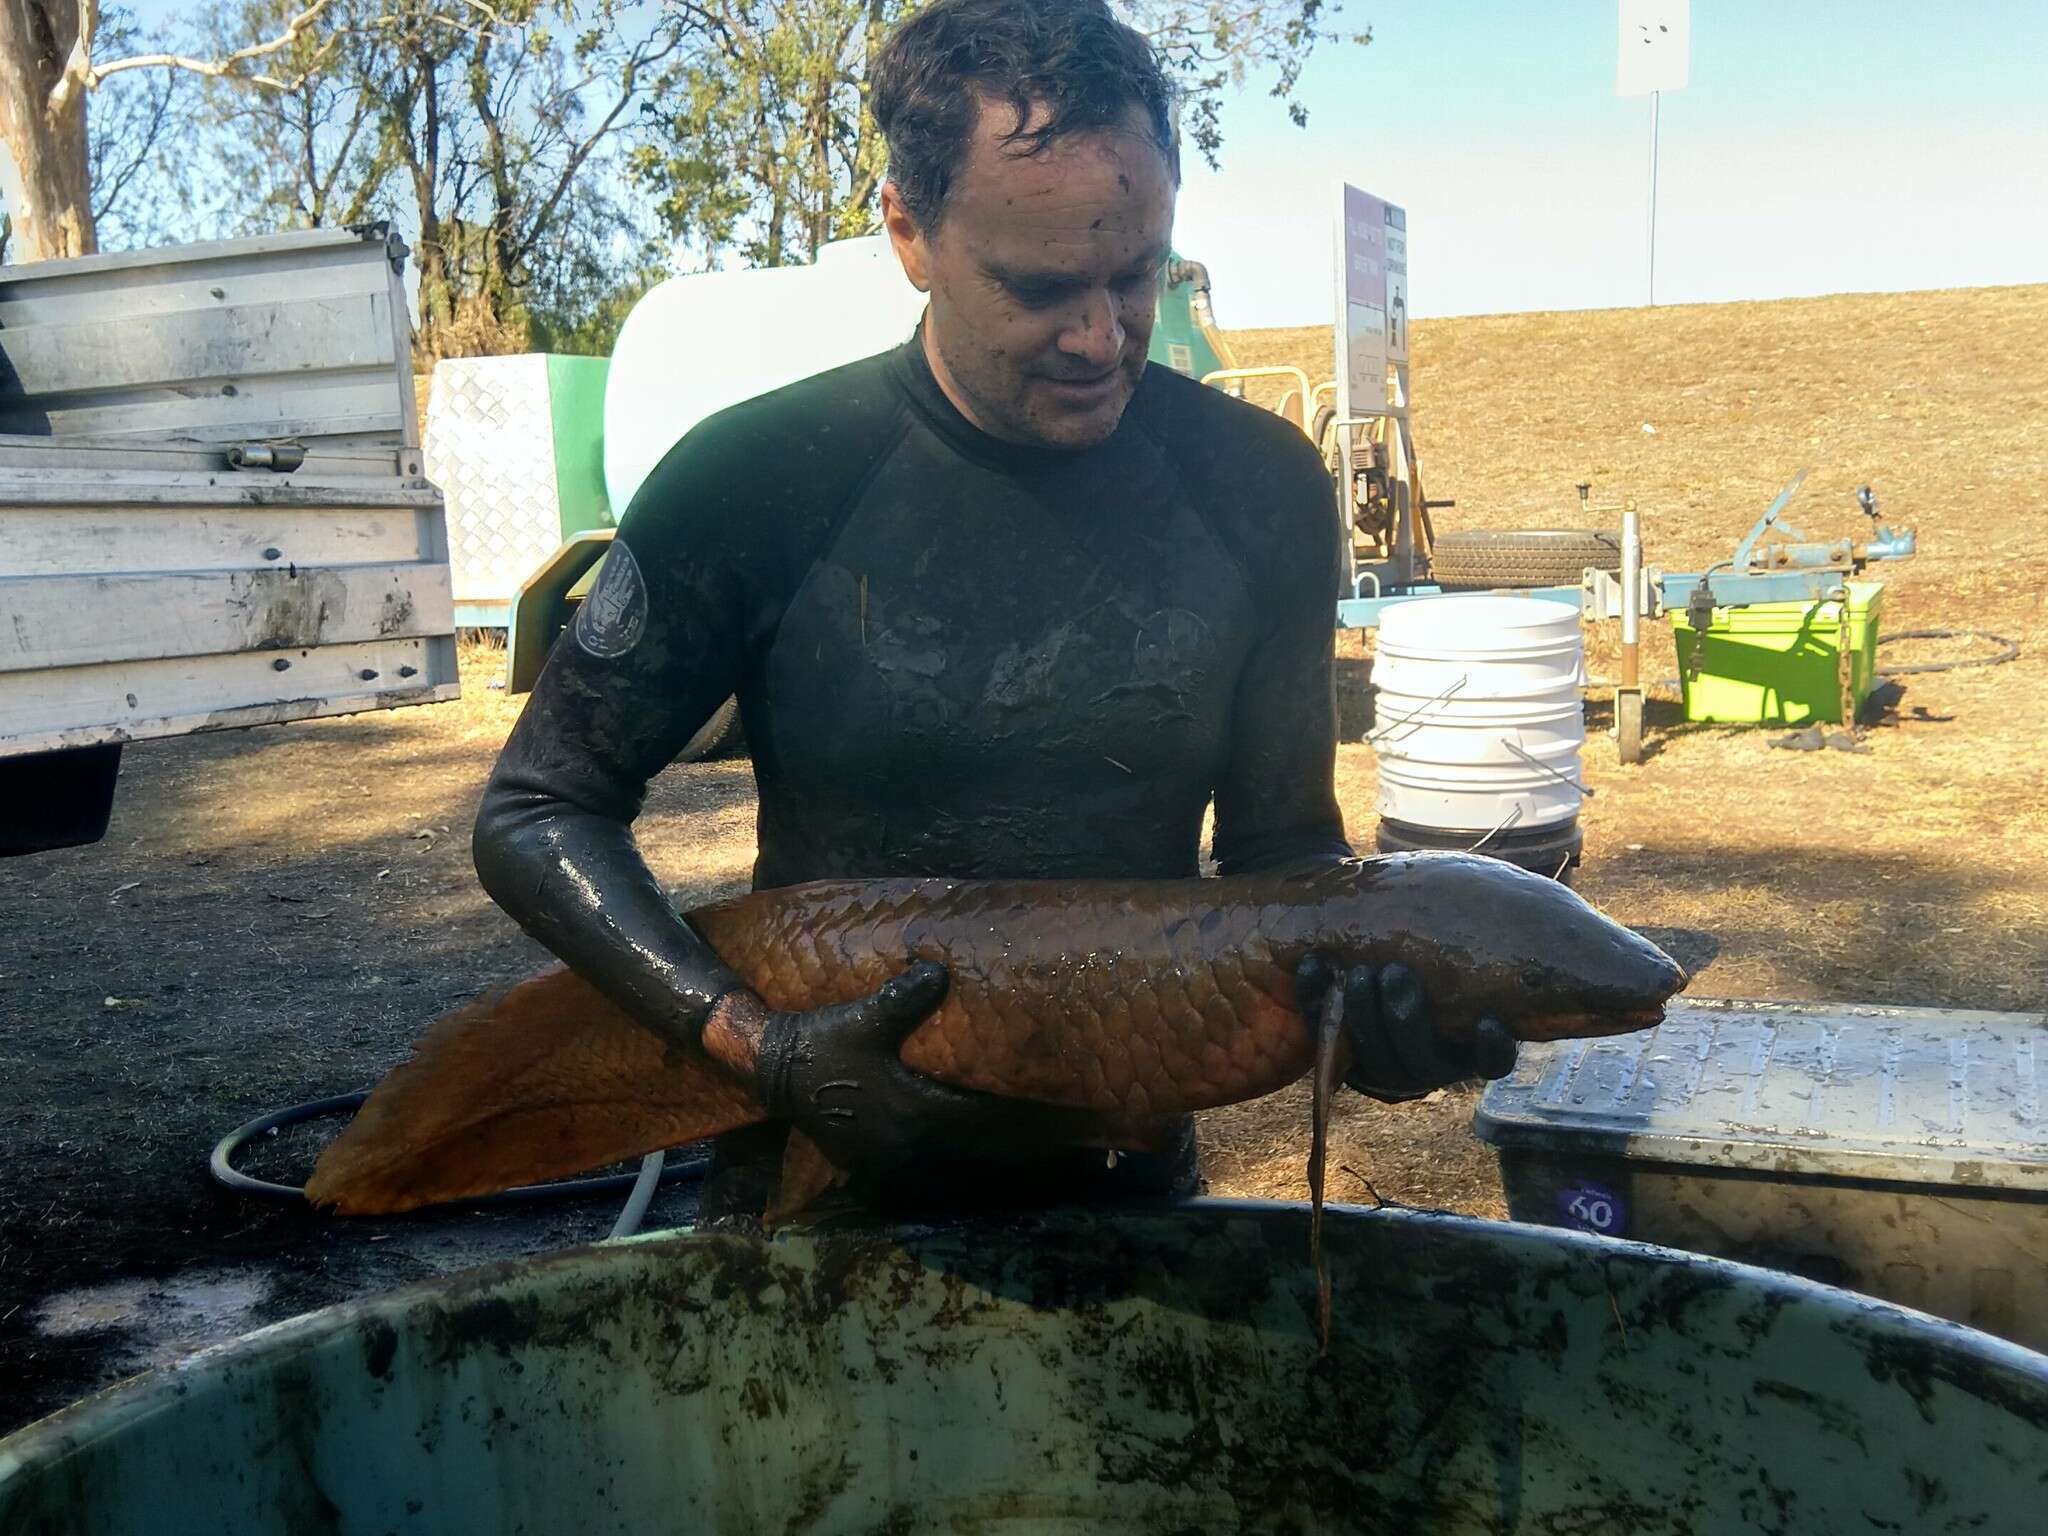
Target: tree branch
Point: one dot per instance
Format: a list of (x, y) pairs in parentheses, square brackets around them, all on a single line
[(217, 68)]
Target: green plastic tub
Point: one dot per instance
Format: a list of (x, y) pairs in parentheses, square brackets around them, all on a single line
[(1777, 663), (1149, 1372)]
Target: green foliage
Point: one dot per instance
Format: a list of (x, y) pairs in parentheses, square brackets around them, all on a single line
[(486, 132), (758, 142), (580, 310), (309, 150), (527, 148), (1214, 45)]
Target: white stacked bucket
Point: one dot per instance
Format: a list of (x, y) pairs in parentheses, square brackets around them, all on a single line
[(1478, 726)]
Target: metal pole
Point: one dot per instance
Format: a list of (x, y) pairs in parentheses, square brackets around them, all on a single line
[(1656, 105), (1628, 697), (1631, 599)]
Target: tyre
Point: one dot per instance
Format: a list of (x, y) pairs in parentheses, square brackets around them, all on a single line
[(1321, 435), (719, 736), (1476, 560)]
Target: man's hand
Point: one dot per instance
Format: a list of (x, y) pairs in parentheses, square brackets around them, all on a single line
[(1395, 1054), (835, 1074)]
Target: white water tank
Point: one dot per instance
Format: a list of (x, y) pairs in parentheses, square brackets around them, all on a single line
[(1477, 720), (697, 344)]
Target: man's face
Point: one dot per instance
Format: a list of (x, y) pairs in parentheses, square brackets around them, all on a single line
[(1044, 279)]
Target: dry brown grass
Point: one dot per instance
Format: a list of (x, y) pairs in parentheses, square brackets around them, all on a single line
[(1913, 875)]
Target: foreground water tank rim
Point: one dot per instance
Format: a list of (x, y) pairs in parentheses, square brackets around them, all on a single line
[(1152, 1370)]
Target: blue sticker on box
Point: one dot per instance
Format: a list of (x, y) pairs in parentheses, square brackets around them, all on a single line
[(1593, 1208)]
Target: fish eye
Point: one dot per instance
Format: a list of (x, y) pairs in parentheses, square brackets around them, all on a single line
[(1532, 977)]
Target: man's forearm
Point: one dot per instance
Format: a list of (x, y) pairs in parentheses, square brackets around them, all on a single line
[(575, 881)]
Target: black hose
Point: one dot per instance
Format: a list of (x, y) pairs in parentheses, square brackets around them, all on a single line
[(2006, 651), (224, 1172)]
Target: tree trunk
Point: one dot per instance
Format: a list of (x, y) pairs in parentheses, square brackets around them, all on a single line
[(43, 149)]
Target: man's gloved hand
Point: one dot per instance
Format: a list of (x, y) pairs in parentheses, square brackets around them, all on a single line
[(1395, 1055), (835, 1074)]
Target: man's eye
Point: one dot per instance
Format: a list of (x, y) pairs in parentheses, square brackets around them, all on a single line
[(1035, 296)]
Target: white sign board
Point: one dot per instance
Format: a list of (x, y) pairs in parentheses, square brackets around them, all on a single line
[(1654, 48), (1372, 299)]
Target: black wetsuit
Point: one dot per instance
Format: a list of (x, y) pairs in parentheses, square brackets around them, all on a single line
[(954, 656)]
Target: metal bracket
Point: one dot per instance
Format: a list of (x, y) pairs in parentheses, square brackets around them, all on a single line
[(1603, 599)]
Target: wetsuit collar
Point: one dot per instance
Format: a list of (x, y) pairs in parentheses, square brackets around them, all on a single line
[(913, 371)]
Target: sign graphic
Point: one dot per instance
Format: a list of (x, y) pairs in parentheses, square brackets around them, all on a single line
[(1372, 294)]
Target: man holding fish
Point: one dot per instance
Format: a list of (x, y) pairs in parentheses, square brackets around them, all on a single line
[(1004, 603)]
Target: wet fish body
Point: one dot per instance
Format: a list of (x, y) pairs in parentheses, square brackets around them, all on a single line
[(1131, 999)]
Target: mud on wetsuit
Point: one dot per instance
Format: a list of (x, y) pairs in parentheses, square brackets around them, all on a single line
[(954, 657)]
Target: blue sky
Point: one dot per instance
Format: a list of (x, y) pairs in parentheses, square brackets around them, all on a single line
[(1821, 146)]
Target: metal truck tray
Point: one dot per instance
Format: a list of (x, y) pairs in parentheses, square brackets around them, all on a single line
[(212, 508), (1895, 1151)]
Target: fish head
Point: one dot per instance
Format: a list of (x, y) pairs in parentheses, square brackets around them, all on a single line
[(1488, 939)]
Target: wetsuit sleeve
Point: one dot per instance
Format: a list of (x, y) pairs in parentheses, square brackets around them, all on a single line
[(660, 643), (1276, 802)]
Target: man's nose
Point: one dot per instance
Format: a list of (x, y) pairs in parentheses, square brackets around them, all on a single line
[(1096, 333)]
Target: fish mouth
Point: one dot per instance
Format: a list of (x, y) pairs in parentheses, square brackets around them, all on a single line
[(1587, 1025)]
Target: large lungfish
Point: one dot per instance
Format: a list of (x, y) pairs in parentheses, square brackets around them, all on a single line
[(1133, 999)]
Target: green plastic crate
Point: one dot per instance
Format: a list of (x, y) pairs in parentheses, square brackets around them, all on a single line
[(1777, 663)]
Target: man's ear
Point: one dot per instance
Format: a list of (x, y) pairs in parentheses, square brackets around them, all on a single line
[(909, 240)]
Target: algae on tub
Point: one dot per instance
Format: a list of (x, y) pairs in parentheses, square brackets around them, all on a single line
[(1147, 1370)]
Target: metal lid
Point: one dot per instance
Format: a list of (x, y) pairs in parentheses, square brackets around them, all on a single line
[(1918, 1095), (252, 359)]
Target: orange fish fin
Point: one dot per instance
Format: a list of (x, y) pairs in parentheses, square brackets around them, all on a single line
[(807, 1173), (539, 1081)]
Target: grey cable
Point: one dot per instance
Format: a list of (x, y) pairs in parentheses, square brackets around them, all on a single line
[(641, 1197)]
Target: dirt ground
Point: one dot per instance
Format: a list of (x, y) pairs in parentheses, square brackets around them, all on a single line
[(275, 914)]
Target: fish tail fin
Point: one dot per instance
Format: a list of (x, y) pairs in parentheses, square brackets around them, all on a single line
[(539, 1081), (806, 1174)]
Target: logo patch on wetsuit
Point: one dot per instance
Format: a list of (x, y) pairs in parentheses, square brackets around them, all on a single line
[(614, 616)]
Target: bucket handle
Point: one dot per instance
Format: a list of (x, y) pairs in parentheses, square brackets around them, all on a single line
[(1542, 767), (1380, 734), (1514, 815)]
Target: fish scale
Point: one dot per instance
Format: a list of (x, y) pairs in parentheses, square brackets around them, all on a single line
[(1130, 1000), (1089, 982)]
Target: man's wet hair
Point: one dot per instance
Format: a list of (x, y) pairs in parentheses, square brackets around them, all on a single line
[(1072, 58)]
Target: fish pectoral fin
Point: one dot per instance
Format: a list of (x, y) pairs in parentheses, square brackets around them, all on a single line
[(537, 1082), (807, 1173)]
